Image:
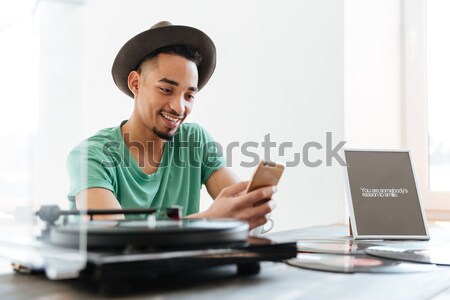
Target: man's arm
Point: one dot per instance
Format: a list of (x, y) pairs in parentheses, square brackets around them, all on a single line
[(219, 180), (99, 198)]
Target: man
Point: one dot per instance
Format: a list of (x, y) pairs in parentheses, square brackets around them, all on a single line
[(154, 159)]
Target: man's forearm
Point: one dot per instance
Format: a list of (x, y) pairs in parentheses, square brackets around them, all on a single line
[(199, 215)]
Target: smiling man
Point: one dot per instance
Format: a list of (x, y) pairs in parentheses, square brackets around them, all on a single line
[(154, 159)]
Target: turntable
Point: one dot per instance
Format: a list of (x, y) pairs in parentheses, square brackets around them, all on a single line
[(154, 244)]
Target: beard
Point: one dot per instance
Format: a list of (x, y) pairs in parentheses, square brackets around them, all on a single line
[(162, 135), (167, 135)]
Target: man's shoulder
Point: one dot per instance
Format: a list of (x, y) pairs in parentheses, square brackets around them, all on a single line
[(106, 137)]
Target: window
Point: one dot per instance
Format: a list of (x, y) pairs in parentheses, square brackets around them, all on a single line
[(427, 98), (19, 105), (33, 153), (438, 93)]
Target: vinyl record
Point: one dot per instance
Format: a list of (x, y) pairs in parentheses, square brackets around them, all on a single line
[(354, 264), (333, 247), (430, 255), (183, 233)]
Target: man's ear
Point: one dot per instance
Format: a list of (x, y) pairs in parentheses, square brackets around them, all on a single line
[(133, 82)]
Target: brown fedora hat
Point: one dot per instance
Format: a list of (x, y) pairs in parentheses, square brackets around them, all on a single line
[(161, 35)]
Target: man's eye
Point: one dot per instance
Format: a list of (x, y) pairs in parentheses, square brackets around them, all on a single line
[(165, 90), (190, 97)]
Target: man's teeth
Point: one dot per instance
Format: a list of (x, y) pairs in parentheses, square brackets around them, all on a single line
[(169, 118)]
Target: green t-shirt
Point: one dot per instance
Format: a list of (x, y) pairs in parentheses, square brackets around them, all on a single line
[(105, 161)]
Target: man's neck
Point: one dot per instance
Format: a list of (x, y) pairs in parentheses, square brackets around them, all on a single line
[(144, 145)]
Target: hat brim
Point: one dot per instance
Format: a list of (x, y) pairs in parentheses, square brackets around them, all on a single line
[(139, 47)]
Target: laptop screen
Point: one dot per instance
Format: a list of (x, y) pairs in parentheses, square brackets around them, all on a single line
[(384, 197)]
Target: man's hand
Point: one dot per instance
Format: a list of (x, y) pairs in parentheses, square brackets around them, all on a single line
[(233, 202)]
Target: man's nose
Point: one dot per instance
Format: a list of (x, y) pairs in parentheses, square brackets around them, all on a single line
[(178, 105)]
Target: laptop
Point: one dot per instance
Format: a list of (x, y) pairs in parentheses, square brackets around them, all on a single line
[(384, 199)]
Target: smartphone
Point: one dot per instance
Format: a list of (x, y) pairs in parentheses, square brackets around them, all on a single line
[(266, 174)]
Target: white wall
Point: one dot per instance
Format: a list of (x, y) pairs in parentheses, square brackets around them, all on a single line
[(373, 74), (280, 71)]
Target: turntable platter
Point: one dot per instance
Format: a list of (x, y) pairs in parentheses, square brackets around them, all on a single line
[(161, 233)]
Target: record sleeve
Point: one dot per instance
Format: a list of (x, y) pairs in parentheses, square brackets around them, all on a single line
[(355, 264)]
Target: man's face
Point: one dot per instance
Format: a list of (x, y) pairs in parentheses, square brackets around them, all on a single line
[(167, 87)]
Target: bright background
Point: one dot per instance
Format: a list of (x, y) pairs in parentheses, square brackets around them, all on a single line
[(294, 70)]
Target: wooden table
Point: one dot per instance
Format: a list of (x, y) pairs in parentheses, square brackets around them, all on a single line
[(276, 280)]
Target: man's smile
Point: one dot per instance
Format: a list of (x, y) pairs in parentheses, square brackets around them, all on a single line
[(170, 120)]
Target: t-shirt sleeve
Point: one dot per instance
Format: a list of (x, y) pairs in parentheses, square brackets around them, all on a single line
[(84, 165), (211, 155)]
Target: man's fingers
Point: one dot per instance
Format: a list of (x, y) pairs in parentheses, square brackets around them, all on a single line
[(263, 209), (257, 222), (259, 211), (235, 189), (258, 195)]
